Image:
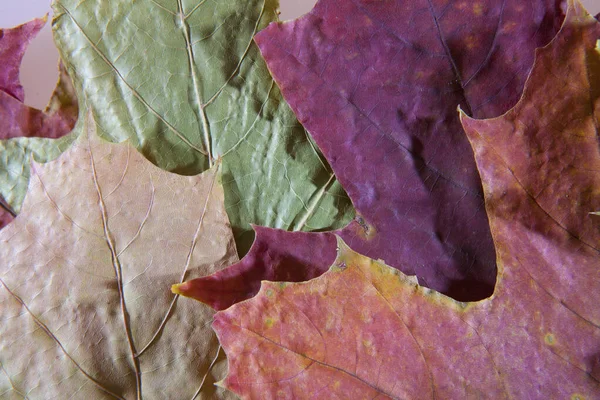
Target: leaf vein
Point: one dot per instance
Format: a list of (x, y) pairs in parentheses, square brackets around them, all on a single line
[(49, 333), (133, 91), (118, 272)]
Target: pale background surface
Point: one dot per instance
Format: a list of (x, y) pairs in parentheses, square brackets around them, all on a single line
[(39, 73)]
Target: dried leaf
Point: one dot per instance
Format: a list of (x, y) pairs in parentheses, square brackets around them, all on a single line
[(19, 120), (56, 120), (185, 83), (13, 43), (84, 279), (365, 330), (377, 85)]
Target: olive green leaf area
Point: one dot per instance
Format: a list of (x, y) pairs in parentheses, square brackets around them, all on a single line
[(184, 81), (85, 268), (15, 155)]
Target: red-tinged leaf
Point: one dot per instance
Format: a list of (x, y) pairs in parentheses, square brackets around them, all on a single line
[(19, 120), (56, 120), (6, 213), (269, 251), (377, 85), (13, 43), (365, 330)]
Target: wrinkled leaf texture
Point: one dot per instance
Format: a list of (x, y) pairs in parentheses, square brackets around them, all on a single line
[(184, 81), (377, 85), (365, 330), (19, 120), (84, 279)]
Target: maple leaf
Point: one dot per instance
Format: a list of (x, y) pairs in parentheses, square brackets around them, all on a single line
[(17, 119), (84, 274), (186, 84), (377, 85), (365, 330)]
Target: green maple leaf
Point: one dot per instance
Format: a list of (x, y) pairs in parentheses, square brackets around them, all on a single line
[(185, 83)]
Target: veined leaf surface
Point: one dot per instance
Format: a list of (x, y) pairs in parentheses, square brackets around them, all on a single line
[(377, 84), (365, 330), (85, 271), (184, 81)]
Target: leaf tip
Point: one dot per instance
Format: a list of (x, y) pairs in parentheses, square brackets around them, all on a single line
[(341, 245), (462, 115), (221, 384), (180, 289), (192, 290), (346, 257), (344, 254)]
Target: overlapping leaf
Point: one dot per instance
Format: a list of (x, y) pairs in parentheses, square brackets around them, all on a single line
[(6, 214), (56, 120), (19, 120), (365, 330), (185, 83), (13, 43), (377, 85), (85, 269)]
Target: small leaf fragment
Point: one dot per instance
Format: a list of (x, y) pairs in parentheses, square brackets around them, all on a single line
[(13, 43), (17, 119)]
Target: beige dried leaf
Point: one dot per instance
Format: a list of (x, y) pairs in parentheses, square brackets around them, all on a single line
[(86, 309)]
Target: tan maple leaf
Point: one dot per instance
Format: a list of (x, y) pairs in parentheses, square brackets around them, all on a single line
[(85, 271)]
